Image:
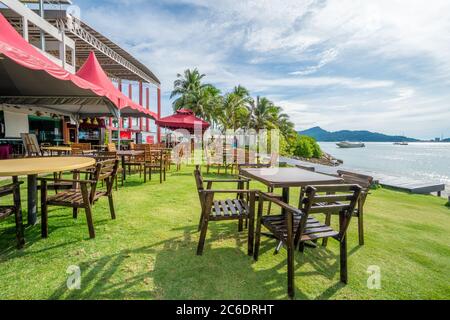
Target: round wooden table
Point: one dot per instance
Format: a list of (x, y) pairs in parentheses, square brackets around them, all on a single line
[(32, 167)]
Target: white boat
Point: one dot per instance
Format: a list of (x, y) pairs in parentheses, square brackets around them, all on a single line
[(401, 143), (350, 145)]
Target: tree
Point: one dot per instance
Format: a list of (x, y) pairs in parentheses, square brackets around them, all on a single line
[(186, 88)]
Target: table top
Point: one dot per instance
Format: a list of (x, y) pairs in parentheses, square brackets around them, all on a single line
[(129, 152), (68, 149), (288, 177), (34, 166)]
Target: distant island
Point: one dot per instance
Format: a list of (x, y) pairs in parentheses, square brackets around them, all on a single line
[(354, 136)]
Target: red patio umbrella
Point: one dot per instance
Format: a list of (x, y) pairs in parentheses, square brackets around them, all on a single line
[(183, 119)]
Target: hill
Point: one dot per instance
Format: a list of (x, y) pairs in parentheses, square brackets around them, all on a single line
[(346, 135)]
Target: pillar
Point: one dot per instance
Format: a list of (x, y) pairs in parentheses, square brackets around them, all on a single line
[(159, 114), (141, 103), (147, 91), (130, 95)]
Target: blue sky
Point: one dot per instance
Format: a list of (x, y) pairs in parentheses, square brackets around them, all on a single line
[(381, 65)]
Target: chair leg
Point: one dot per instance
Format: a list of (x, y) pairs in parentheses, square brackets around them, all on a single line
[(111, 207), (116, 182), (200, 223), (201, 241), (343, 260), (258, 233), (241, 225), (145, 174), (88, 210), (251, 235), (290, 261), (327, 222), (361, 226), (75, 213)]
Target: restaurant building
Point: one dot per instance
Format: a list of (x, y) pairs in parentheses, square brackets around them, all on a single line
[(54, 29)]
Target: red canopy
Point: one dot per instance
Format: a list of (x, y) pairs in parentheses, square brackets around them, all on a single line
[(94, 73), (183, 119), (28, 77)]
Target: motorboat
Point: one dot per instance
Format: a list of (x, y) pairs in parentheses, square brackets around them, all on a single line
[(350, 145)]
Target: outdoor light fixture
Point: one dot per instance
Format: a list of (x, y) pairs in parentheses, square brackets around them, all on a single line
[(95, 122), (88, 121), (81, 121)]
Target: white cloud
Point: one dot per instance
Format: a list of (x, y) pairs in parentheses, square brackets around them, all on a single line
[(352, 62)]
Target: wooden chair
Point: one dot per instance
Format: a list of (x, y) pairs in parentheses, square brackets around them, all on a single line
[(111, 147), (302, 190), (82, 146), (82, 194), (365, 182), (220, 210), (106, 155), (155, 161), (15, 208), (296, 226)]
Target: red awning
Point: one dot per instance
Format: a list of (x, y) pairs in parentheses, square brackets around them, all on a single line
[(183, 119), (93, 72), (28, 77)]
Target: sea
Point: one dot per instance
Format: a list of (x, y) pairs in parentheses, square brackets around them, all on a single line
[(427, 162)]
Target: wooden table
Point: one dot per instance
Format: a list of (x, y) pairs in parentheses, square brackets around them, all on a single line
[(286, 178), (127, 153), (32, 167), (58, 150)]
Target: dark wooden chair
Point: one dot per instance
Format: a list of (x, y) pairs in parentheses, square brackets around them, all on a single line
[(13, 209), (302, 190), (296, 226), (111, 155), (213, 209), (365, 182), (155, 161), (80, 194)]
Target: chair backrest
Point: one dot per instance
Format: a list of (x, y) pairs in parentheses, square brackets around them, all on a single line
[(105, 155), (81, 146), (362, 180), (308, 168), (31, 144), (77, 151), (331, 199), (104, 171), (111, 147), (199, 183), (132, 146)]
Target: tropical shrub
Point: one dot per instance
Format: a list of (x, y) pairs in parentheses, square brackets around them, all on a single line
[(307, 147)]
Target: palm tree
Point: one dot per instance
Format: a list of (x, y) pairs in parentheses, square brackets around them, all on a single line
[(262, 115), (187, 85)]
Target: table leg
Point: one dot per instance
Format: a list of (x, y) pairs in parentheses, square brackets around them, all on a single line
[(124, 171), (32, 200), (285, 198)]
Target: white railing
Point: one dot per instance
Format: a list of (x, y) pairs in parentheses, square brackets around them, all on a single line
[(64, 41)]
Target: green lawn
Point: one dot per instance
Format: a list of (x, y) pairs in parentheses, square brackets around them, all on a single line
[(149, 252)]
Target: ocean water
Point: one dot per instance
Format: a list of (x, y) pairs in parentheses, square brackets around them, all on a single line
[(427, 162)]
